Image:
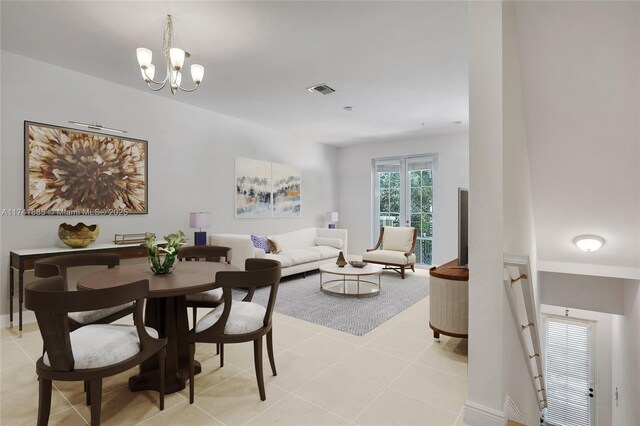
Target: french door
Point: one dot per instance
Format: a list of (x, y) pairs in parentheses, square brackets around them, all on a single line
[(403, 196)]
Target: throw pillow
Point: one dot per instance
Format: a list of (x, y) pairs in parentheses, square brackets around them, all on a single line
[(273, 247), (260, 242)]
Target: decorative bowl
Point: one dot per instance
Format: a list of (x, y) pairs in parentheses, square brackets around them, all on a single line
[(78, 236), (357, 264)]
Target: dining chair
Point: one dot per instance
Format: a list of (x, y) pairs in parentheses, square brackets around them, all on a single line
[(240, 321), (209, 298), (59, 265), (92, 352), (395, 249)]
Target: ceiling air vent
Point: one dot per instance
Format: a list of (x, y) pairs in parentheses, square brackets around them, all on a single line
[(323, 89)]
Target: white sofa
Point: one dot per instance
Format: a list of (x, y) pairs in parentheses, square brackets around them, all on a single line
[(298, 251)]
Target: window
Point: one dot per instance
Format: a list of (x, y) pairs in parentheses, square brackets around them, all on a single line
[(569, 377)]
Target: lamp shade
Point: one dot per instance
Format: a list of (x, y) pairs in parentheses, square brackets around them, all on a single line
[(332, 217), (200, 220)]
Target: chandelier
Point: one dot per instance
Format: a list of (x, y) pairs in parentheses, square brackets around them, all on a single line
[(175, 62)]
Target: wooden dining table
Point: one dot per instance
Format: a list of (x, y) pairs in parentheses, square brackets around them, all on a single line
[(165, 311)]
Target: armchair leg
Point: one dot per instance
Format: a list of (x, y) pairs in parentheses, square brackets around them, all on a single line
[(192, 354), (270, 352), (413, 267), (221, 355), (44, 405), (95, 387), (402, 272), (257, 358)]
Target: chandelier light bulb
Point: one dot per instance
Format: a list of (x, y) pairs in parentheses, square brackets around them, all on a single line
[(144, 57), (589, 243), (197, 72), (177, 58)]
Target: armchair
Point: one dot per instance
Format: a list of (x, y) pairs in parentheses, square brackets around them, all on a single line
[(394, 249)]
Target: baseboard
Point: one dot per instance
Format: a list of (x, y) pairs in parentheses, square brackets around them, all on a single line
[(480, 415), (27, 317), (512, 412)]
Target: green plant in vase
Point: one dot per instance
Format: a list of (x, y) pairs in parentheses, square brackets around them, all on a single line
[(162, 259)]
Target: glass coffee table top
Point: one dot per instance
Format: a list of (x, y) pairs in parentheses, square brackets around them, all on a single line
[(350, 281)]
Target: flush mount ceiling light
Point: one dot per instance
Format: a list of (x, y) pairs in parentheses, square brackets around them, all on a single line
[(175, 61), (588, 243), (323, 89)]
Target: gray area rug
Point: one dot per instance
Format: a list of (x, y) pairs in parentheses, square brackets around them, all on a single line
[(301, 298)]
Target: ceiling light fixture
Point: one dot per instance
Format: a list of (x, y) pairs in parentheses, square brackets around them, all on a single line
[(175, 62), (588, 243), (323, 89), (97, 126)]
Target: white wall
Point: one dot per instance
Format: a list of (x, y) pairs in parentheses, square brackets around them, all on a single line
[(356, 195), (519, 233), (603, 357), (191, 156), (486, 295), (600, 294)]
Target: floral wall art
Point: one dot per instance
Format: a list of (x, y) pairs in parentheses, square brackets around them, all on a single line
[(286, 190), (265, 189), (68, 171)]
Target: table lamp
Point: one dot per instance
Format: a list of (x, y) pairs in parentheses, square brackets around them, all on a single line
[(200, 220), (332, 218)]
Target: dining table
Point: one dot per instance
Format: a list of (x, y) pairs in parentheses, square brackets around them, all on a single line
[(165, 311)]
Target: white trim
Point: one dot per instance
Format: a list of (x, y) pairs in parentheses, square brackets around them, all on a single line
[(476, 414), (589, 269), (512, 412)]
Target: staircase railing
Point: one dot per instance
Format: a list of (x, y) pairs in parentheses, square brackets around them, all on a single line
[(517, 280)]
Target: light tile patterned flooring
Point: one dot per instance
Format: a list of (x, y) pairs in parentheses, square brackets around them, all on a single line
[(396, 374)]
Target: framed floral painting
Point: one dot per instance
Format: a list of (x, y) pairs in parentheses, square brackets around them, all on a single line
[(74, 172)]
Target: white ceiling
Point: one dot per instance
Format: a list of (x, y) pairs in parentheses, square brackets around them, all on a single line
[(399, 64), (580, 73)]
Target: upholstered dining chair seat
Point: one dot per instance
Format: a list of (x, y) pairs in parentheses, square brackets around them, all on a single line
[(245, 317), (389, 256), (214, 295), (101, 345), (88, 317)]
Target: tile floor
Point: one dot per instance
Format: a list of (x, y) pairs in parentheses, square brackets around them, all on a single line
[(396, 374)]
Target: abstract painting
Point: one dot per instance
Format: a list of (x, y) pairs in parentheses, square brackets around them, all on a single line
[(73, 172), (286, 190), (253, 188)]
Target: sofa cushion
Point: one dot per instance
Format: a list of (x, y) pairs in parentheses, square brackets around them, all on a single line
[(331, 242), (390, 257), (285, 262), (299, 255), (295, 239), (400, 239), (325, 252)]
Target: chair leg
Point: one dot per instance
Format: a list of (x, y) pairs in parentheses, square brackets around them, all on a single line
[(257, 358), (87, 393), (162, 360), (195, 316), (192, 354), (413, 268), (44, 405), (402, 272), (270, 352), (95, 387), (221, 355), (217, 348)]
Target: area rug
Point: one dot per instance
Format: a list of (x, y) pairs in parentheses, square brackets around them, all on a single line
[(301, 298)]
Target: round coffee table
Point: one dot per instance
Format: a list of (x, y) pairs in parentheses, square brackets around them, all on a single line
[(358, 282)]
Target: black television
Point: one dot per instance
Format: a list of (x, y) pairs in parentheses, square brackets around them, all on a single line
[(463, 226)]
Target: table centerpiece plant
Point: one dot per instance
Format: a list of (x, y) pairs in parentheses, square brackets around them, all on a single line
[(162, 258)]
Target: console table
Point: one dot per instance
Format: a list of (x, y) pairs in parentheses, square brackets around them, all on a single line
[(449, 300), (23, 260)]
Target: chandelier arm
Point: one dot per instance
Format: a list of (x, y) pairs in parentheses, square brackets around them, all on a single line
[(189, 90), (159, 88), (163, 82)]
